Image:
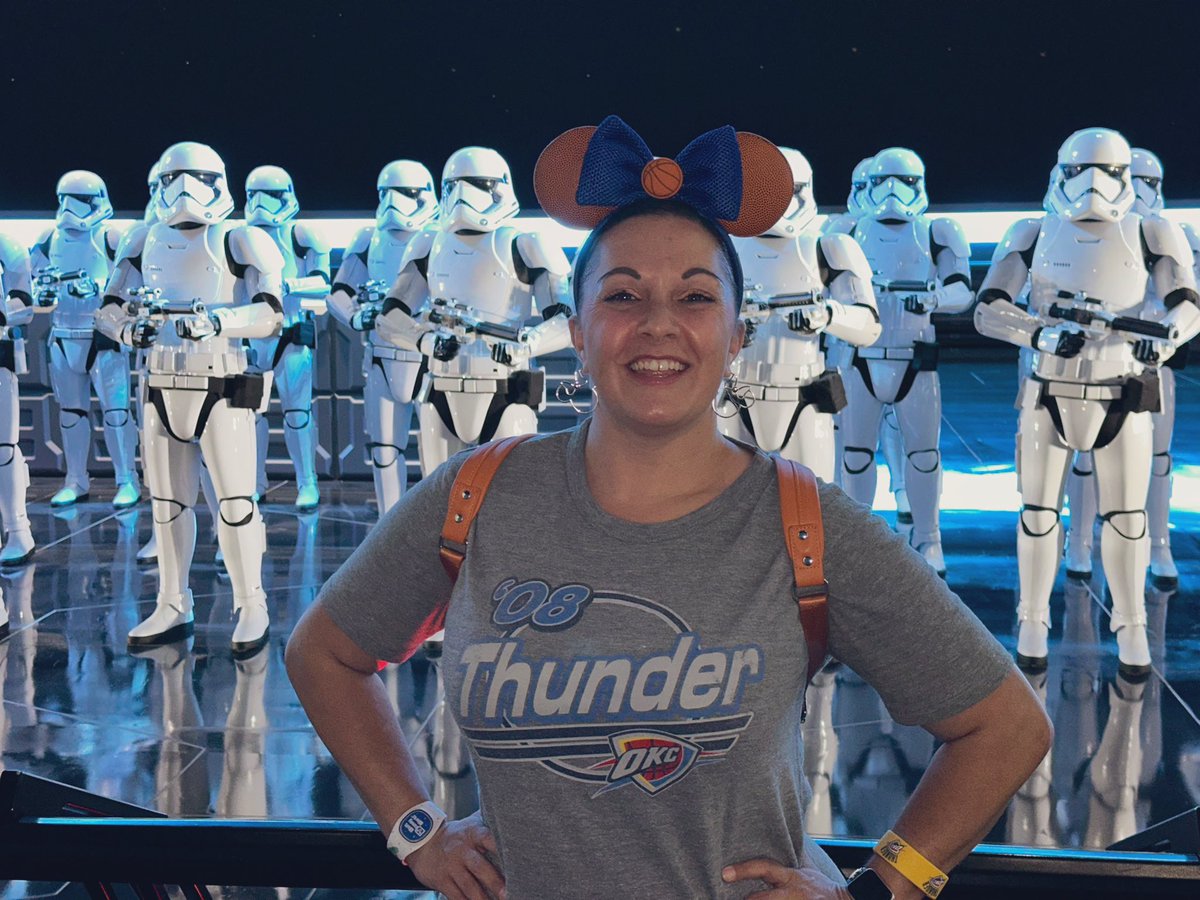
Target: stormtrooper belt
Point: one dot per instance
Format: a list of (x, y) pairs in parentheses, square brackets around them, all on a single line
[(1074, 391), (396, 354), (470, 385), (904, 353), (74, 334)]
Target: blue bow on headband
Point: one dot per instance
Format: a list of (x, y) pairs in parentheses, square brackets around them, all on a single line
[(617, 155)]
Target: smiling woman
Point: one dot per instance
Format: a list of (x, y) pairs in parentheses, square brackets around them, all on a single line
[(630, 672)]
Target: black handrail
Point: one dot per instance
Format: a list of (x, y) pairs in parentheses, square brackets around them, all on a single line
[(65, 846)]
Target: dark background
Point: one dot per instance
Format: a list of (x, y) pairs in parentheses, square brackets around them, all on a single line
[(984, 91)]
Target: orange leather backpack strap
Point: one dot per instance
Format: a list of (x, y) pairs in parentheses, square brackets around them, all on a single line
[(466, 496), (800, 506)]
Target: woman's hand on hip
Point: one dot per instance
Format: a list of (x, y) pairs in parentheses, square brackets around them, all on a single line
[(454, 863), (782, 882)]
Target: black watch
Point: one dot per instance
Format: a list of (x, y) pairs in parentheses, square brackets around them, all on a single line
[(865, 884)]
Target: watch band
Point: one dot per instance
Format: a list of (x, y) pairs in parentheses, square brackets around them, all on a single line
[(415, 829), (865, 884)]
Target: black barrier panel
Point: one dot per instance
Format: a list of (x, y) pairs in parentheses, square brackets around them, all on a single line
[(74, 846)]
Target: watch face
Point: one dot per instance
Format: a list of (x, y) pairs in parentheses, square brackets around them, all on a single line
[(865, 884), (416, 825)]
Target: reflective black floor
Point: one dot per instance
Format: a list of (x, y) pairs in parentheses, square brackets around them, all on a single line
[(187, 730)]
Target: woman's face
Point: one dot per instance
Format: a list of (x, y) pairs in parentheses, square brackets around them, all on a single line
[(657, 327)]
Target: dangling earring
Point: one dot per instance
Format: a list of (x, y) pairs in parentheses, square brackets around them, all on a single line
[(734, 394), (566, 391)]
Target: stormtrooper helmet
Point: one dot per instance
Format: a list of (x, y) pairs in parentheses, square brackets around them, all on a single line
[(82, 201), (270, 197), (896, 185), (477, 191), (407, 200), (1093, 182), (192, 186)]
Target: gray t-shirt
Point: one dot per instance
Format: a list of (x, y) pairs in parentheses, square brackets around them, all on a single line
[(631, 693)]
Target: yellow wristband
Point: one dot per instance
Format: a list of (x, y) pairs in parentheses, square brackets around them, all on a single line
[(912, 865)]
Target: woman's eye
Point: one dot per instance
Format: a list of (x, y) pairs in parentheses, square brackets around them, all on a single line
[(697, 297), (619, 297)]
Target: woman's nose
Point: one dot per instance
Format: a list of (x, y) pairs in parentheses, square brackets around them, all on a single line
[(658, 319)]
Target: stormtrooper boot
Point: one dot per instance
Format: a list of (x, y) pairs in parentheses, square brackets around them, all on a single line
[(172, 620)]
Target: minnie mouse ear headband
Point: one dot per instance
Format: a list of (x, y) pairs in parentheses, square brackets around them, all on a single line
[(737, 178)]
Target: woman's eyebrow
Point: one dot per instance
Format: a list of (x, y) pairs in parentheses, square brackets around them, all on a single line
[(699, 270), (622, 270)]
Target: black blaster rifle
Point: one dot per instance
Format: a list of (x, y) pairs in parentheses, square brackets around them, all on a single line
[(46, 283), (462, 320), (149, 303), (755, 308), (1088, 313)]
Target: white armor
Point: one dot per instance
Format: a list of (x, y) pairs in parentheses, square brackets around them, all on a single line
[(271, 205), (407, 203), (462, 298), (920, 265), (201, 288), (16, 311), (71, 263), (799, 285), (1094, 384)]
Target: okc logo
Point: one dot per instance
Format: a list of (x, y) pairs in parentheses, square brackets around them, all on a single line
[(652, 760)]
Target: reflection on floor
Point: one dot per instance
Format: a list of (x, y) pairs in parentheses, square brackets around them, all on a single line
[(192, 732)]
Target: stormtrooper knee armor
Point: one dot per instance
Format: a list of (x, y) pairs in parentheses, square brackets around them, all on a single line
[(393, 375), (1094, 383), (464, 292), (16, 311), (271, 205), (799, 285), (920, 265), (190, 289), (72, 261)]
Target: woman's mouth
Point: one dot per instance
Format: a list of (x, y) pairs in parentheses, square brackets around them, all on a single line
[(654, 365)]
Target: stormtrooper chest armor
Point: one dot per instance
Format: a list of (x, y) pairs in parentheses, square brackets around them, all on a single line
[(190, 265), (1104, 261), (477, 270), (898, 252), (777, 355), (71, 251)]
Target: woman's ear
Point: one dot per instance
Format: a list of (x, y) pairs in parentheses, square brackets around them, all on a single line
[(739, 338), (577, 338)]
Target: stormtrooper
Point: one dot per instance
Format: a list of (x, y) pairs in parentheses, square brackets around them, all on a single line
[(71, 263), (407, 203), (462, 298), (920, 265), (1094, 383), (191, 289), (16, 311), (799, 285), (271, 205), (1146, 172)]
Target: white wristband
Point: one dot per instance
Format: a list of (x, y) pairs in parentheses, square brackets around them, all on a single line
[(415, 829)]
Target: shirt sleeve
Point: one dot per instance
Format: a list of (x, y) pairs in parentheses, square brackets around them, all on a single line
[(392, 592), (897, 624)]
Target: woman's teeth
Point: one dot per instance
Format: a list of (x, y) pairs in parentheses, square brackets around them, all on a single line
[(657, 365)]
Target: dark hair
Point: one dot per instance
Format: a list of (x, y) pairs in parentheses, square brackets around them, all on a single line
[(648, 207)]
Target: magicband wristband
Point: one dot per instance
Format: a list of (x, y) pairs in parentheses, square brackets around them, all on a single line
[(415, 829), (898, 853)]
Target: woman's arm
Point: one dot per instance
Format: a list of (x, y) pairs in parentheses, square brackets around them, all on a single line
[(337, 683), (989, 750)]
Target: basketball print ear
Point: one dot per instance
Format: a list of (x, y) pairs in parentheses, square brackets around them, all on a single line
[(556, 180), (766, 186)]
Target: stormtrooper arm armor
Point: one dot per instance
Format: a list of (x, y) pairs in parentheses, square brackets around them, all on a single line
[(952, 256), (997, 315), (16, 282), (1169, 259), (312, 249), (351, 273), (112, 318), (853, 315), (544, 266), (397, 323), (257, 262)]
